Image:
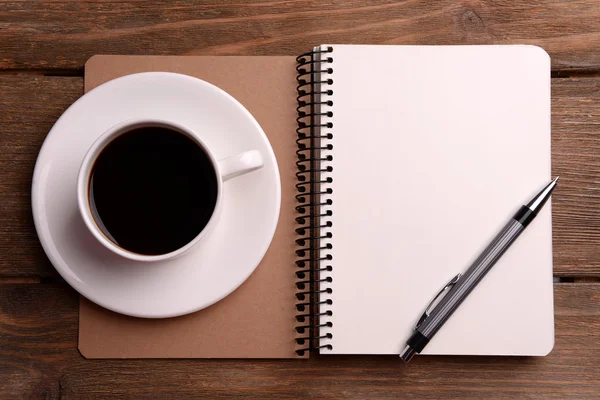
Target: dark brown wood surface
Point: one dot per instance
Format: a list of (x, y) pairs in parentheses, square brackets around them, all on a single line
[(38, 311), (63, 34)]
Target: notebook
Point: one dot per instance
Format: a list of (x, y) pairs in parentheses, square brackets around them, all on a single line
[(433, 149), (257, 320), (405, 163)]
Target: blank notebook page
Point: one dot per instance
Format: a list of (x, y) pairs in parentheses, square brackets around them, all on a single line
[(434, 149)]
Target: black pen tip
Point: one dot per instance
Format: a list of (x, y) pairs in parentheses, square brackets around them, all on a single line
[(407, 354)]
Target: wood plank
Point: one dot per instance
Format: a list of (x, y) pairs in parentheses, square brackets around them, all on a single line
[(576, 201), (63, 34), (30, 105), (38, 356)]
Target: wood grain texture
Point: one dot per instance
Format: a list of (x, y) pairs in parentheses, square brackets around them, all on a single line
[(38, 357), (63, 34), (575, 157), (30, 105)]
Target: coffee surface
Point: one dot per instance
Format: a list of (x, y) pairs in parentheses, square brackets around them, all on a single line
[(152, 190)]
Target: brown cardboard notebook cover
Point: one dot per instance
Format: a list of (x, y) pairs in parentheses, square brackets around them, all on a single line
[(258, 319)]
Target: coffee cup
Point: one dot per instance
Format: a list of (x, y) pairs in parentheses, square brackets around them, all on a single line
[(150, 190)]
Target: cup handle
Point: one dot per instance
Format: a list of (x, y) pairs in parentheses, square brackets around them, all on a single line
[(240, 164)]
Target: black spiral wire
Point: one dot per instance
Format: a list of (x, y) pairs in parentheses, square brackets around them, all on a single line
[(313, 90)]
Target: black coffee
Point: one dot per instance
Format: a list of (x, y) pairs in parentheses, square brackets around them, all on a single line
[(152, 190)]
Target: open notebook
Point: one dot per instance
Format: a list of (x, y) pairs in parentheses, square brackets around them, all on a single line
[(433, 149), (409, 161)]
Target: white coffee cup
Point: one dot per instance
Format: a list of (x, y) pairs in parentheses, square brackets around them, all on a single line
[(225, 169)]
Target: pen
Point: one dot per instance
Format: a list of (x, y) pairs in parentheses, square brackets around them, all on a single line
[(460, 286)]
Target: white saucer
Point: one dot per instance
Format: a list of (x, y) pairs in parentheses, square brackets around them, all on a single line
[(220, 262)]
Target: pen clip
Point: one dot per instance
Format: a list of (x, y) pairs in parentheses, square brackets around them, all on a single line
[(428, 309)]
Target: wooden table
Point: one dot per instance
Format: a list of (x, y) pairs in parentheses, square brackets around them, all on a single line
[(43, 46)]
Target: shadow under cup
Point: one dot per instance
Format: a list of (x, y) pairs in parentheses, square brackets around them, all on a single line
[(152, 190)]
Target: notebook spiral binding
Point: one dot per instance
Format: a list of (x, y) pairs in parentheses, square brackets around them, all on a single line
[(314, 153)]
